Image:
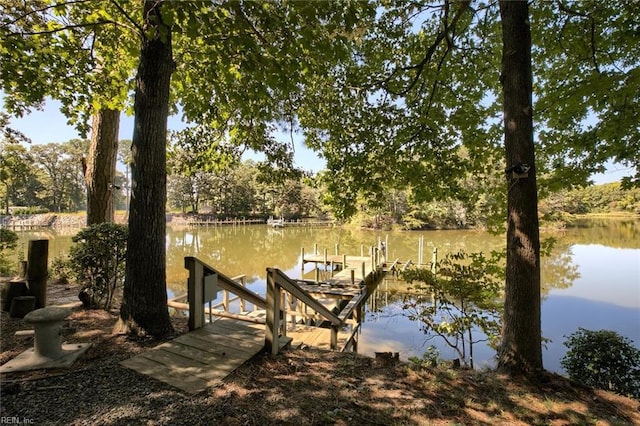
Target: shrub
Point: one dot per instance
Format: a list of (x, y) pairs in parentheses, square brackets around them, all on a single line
[(8, 244), (430, 359), (604, 360), (97, 261), (60, 270)]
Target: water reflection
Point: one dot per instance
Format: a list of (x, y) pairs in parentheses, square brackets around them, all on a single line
[(591, 279)]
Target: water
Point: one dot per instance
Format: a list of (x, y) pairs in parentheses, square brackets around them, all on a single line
[(590, 280)]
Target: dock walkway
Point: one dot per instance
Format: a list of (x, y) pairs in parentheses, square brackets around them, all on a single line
[(203, 357)]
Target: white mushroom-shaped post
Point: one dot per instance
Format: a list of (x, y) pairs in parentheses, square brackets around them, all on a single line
[(47, 325)]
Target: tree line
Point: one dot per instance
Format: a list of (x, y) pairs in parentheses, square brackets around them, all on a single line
[(49, 178)]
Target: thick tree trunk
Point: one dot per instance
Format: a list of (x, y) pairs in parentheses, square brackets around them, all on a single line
[(101, 167), (144, 308), (521, 348)]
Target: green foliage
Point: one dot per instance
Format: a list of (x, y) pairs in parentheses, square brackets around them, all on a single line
[(606, 198), (60, 270), (45, 51), (587, 88), (238, 190), (62, 176), (603, 359), (460, 298), (430, 358), (8, 239), (43, 178), (8, 243), (97, 260)]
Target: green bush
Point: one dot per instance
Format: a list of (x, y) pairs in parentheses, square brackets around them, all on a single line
[(97, 261), (604, 360), (60, 270), (8, 244)]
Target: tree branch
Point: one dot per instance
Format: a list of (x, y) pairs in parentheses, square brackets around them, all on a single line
[(64, 28), (246, 19), (573, 12), (129, 18), (44, 9), (442, 35)]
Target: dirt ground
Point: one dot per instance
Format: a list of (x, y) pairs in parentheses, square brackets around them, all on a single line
[(303, 387)]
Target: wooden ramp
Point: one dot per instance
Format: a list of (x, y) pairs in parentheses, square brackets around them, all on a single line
[(203, 357)]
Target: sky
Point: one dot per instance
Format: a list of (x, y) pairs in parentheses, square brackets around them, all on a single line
[(49, 125)]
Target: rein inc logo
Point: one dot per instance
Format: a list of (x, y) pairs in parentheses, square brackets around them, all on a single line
[(16, 420)]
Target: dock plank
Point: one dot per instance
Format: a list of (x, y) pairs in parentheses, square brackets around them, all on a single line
[(147, 367), (202, 358)]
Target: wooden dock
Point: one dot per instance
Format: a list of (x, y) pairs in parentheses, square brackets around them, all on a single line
[(354, 271), (203, 357), (211, 351)]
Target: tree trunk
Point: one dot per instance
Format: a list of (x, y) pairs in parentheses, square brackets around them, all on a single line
[(6, 200), (144, 307), (521, 348), (101, 168)]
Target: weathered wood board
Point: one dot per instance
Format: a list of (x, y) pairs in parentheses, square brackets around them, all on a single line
[(203, 357)]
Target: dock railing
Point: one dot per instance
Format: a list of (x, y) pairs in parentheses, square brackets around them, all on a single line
[(202, 287), (278, 284)]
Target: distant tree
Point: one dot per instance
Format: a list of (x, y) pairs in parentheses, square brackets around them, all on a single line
[(8, 243), (181, 193), (60, 163), (15, 168)]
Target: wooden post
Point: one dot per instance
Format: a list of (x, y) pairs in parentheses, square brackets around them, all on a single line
[(225, 300), (337, 248), (37, 258), (434, 260), (344, 261), (334, 337), (22, 273), (302, 263), (373, 260), (353, 277), (271, 339), (315, 248), (364, 271), (195, 292), (283, 318), (243, 283), (324, 266), (361, 250), (386, 248)]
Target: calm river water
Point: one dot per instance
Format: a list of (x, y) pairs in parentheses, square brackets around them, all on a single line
[(591, 279)]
